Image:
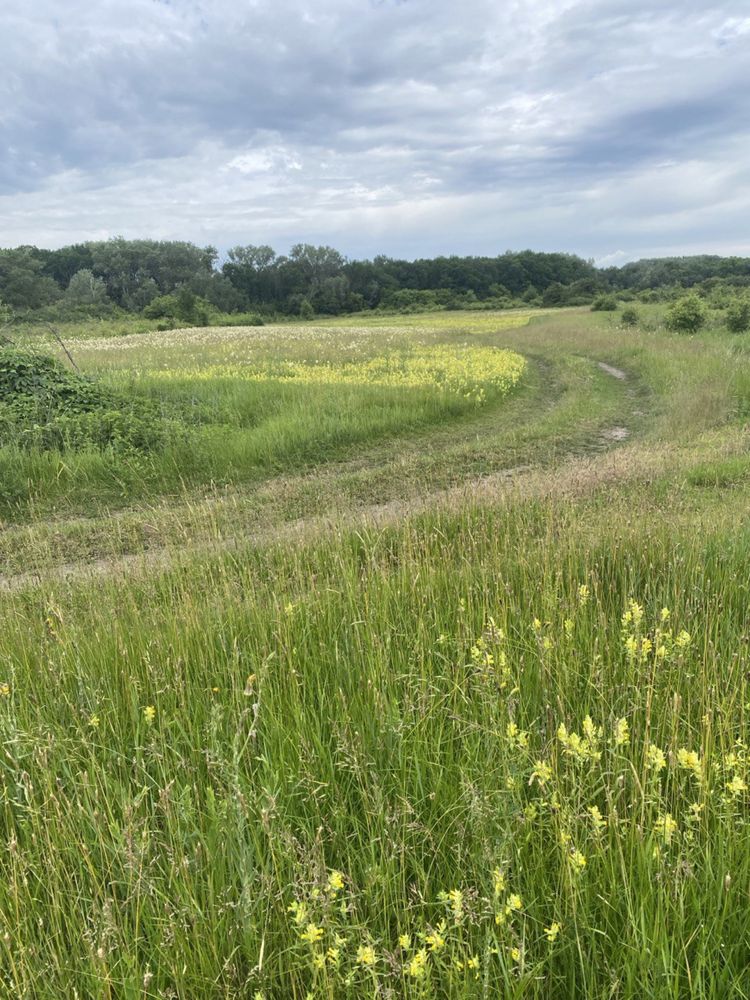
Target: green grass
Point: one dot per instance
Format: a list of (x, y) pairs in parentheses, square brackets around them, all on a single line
[(378, 692)]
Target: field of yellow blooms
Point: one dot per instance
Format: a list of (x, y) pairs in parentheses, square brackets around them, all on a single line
[(495, 744)]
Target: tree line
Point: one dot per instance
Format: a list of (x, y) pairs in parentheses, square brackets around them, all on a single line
[(179, 280)]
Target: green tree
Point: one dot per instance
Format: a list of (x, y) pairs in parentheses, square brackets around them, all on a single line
[(85, 289)]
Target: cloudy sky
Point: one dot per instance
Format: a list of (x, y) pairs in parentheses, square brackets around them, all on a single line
[(611, 128)]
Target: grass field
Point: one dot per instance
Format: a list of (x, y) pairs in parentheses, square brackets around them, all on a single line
[(410, 670)]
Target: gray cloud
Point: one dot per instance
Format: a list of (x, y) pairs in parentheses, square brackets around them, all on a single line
[(598, 126)]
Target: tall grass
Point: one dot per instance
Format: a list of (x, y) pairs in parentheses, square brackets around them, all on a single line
[(496, 749), (385, 706)]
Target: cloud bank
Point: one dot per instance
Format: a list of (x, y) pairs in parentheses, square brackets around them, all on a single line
[(608, 128)]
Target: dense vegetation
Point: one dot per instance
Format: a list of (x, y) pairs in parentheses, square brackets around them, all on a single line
[(420, 692), (177, 282)]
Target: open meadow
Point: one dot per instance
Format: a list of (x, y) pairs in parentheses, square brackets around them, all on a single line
[(390, 657)]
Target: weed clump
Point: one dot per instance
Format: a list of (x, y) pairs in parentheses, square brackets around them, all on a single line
[(46, 406)]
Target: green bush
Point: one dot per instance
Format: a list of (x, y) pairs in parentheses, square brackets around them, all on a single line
[(738, 316), (604, 303), (629, 316), (46, 406), (686, 315)]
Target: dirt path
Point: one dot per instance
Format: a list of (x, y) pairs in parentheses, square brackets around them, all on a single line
[(576, 473)]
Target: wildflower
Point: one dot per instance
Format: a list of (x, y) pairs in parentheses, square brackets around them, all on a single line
[(435, 940), (568, 628), (498, 881), (736, 786), (149, 714), (542, 772), (691, 761), (456, 898), (319, 961), (696, 808), (94, 721), (335, 881), (333, 955), (517, 736), (683, 640), (418, 964), (665, 827), (665, 615), (583, 594), (366, 955), (5, 690), (473, 962), (298, 911), (577, 860), (312, 933), (622, 733), (536, 625), (552, 931), (250, 686), (655, 759), (404, 941), (597, 819), (514, 903)]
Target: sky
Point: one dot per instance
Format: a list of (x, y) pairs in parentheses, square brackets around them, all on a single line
[(615, 129)]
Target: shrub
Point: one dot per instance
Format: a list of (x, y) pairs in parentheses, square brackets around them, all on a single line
[(738, 316), (686, 315), (604, 303), (629, 317)]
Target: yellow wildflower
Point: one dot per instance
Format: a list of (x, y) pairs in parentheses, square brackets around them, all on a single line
[(552, 931), (577, 860), (655, 759), (622, 733), (149, 714), (665, 827), (418, 964), (597, 819), (94, 721), (691, 761), (335, 881), (583, 594), (736, 786), (405, 941), (366, 955), (312, 933)]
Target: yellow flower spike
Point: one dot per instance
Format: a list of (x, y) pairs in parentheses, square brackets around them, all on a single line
[(498, 881), (5, 690), (515, 954), (665, 615), (418, 965), (94, 721), (312, 933), (542, 772), (621, 733), (577, 860), (665, 827), (655, 759), (683, 640), (737, 786), (583, 594), (335, 881), (552, 932), (366, 955), (597, 819), (149, 714), (404, 941), (690, 761), (515, 903)]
